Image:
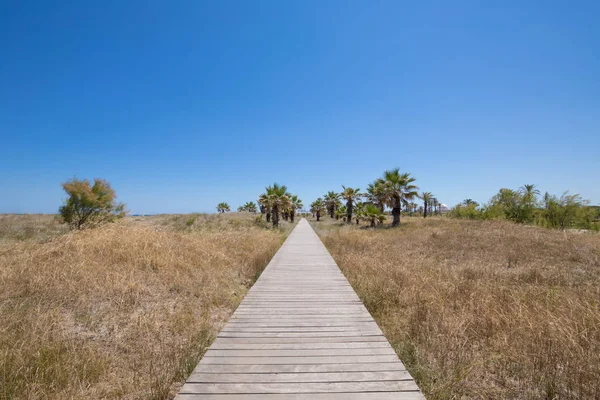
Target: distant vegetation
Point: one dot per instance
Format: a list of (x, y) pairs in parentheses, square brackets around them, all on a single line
[(525, 206), (394, 189), (223, 208), (248, 207), (277, 202)]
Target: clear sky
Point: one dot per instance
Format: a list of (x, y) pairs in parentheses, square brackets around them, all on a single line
[(181, 105)]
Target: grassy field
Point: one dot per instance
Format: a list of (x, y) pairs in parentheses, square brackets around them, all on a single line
[(481, 309), (124, 311)]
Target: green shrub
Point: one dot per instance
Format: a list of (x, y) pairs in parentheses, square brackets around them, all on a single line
[(90, 205)]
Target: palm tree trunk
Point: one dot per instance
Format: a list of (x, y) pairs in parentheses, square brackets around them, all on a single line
[(318, 215), (292, 214), (275, 213), (349, 211), (396, 211), (372, 222), (424, 209), (269, 216)]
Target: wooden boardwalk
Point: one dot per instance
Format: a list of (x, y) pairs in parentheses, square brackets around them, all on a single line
[(301, 333)]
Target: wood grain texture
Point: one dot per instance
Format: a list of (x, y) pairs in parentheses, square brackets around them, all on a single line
[(301, 333)]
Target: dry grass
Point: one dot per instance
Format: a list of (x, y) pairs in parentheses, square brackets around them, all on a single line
[(481, 309), (124, 311)]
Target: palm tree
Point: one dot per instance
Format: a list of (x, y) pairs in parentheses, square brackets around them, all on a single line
[(426, 196), (296, 204), (376, 193), (351, 196), (278, 198), (529, 192), (359, 210), (373, 214), (265, 204), (400, 190), (330, 201), (223, 208), (340, 212), (435, 203), (249, 206), (317, 207), (412, 206), (469, 202)]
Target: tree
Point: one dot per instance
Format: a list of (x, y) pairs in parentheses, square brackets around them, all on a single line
[(340, 212), (469, 202), (249, 206), (296, 204), (377, 194), (90, 205), (561, 211), (317, 207), (223, 208), (399, 190), (359, 209), (265, 205), (529, 193), (426, 196), (373, 214), (278, 199), (351, 196), (331, 200)]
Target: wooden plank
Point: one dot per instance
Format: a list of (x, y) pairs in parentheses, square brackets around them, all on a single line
[(306, 396), (346, 339), (300, 353), (294, 377), (300, 387), (299, 368), (299, 360), (299, 346)]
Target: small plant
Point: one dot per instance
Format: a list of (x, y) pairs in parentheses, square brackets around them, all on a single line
[(90, 205)]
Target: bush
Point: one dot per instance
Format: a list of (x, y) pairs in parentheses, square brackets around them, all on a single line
[(566, 211), (90, 205), (470, 211)]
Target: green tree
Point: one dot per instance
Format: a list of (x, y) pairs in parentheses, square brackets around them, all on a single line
[(351, 196), (561, 211), (340, 212), (296, 204), (377, 193), (265, 205), (249, 206), (373, 214), (317, 207), (468, 202), (278, 199), (400, 190), (359, 209), (426, 196), (331, 201), (223, 208), (90, 205)]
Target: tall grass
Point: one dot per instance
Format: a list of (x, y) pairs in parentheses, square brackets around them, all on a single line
[(122, 311), (482, 309)]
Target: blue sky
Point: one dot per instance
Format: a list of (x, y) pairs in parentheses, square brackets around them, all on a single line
[(181, 105)]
